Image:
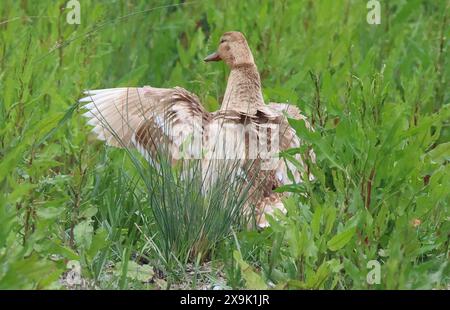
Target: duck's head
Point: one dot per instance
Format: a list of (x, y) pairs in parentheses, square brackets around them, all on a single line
[(233, 50)]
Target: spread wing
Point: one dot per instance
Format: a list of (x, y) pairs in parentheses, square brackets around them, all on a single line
[(289, 139), (146, 118), (291, 111)]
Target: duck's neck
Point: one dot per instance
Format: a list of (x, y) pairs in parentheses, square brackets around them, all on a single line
[(243, 91)]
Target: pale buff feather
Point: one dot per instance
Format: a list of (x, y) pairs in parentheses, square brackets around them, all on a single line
[(147, 117)]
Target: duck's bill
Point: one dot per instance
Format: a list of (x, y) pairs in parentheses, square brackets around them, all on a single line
[(213, 57)]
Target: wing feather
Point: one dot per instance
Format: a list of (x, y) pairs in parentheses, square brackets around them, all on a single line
[(289, 139), (144, 117)]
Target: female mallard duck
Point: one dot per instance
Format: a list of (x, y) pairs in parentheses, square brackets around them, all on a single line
[(245, 127)]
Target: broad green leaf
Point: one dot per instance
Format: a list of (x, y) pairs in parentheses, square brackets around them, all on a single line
[(440, 153), (315, 223), (99, 241), (341, 239), (83, 234), (89, 212), (49, 212), (142, 273), (252, 279)]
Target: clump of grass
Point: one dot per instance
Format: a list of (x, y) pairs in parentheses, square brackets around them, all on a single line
[(190, 220), (188, 206)]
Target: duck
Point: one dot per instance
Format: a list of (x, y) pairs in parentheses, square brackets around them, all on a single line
[(147, 117)]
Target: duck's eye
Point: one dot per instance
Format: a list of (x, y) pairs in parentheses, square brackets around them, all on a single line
[(222, 41)]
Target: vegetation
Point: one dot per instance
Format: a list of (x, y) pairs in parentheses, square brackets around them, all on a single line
[(377, 96)]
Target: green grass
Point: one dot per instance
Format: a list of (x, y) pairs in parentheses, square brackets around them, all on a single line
[(377, 96)]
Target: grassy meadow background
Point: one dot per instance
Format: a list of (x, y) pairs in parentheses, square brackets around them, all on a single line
[(73, 213)]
